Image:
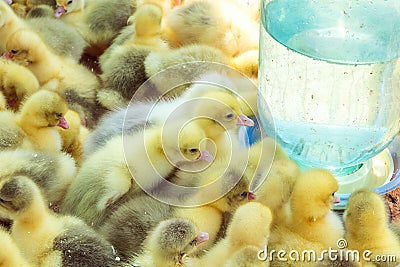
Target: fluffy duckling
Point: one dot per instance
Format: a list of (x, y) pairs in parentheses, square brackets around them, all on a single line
[(146, 30), (39, 118), (74, 137), (143, 214), (204, 21), (52, 71), (277, 187), (249, 226), (107, 18), (69, 44), (60, 37), (147, 23), (214, 97), (128, 66), (80, 245), (16, 83), (123, 73), (98, 21), (367, 228), (231, 161), (223, 24), (34, 126), (46, 239), (308, 212), (170, 244), (209, 218), (112, 171), (148, 15), (52, 173), (212, 206), (122, 59), (223, 107), (10, 254), (9, 23), (226, 113), (102, 179), (226, 188), (68, 7), (235, 197)]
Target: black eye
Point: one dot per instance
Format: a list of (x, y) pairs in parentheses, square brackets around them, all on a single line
[(193, 150), (13, 51), (243, 194), (69, 2), (229, 116), (59, 115)]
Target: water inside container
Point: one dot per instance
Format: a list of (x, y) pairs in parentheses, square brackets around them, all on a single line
[(328, 73), (340, 145), (341, 31)]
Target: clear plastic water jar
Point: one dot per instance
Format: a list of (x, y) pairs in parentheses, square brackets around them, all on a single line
[(329, 72)]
